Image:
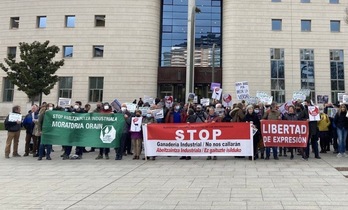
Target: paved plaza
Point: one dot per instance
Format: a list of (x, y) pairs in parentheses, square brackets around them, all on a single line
[(170, 183)]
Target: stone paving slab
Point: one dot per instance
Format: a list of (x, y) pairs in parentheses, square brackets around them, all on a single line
[(170, 183)]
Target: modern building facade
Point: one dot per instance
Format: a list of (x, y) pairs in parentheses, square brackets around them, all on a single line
[(127, 49)]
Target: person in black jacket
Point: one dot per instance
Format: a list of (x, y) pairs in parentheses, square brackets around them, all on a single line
[(251, 116), (341, 122), (291, 115), (14, 131)]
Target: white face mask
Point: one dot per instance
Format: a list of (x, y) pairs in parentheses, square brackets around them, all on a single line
[(106, 107), (76, 106), (177, 107), (256, 111), (123, 109), (50, 108), (148, 115)]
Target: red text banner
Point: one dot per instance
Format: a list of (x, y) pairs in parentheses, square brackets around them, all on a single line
[(283, 133), (198, 139)]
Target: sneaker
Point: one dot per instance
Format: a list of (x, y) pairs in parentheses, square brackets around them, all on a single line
[(317, 157), (182, 158), (16, 155), (40, 158), (209, 158), (276, 158), (99, 157), (48, 158), (26, 154), (339, 155), (65, 157), (305, 159), (188, 158), (214, 158)]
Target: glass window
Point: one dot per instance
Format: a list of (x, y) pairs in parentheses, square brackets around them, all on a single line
[(98, 50), (41, 21), (334, 2), (99, 20), (208, 30), (277, 74), (336, 73), (276, 24), (68, 51), (335, 25), (307, 71), (305, 1), (14, 22), (306, 25), (65, 87), (8, 90), (96, 85), (11, 51), (70, 21)]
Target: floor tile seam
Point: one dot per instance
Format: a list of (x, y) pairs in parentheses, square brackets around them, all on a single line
[(105, 186)]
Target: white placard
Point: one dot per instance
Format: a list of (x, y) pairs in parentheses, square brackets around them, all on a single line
[(332, 112), (14, 117), (63, 102), (266, 100), (158, 113), (143, 110), (345, 99), (136, 124), (205, 101), (242, 90), (313, 112), (216, 93), (298, 96), (131, 107), (169, 101), (227, 100)]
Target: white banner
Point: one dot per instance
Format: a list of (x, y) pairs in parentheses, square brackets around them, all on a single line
[(198, 139)]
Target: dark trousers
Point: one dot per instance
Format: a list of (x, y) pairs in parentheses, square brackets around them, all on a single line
[(274, 150), (67, 150), (79, 151), (314, 142), (104, 151), (120, 149), (128, 144), (324, 140), (42, 150), (333, 135), (256, 140)]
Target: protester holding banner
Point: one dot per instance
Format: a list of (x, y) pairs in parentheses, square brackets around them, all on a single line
[(175, 115), (42, 146), (127, 117), (105, 109), (324, 134), (67, 149), (251, 117), (29, 124), (272, 114), (291, 115), (13, 127), (149, 119), (212, 116), (341, 122)]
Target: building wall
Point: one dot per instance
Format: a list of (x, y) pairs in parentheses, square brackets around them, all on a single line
[(248, 37), (130, 38)]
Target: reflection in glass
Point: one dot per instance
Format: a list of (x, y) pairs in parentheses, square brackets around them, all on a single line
[(174, 33)]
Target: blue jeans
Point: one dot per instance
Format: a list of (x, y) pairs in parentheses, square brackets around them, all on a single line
[(42, 150), (274, 149), (341, 139)]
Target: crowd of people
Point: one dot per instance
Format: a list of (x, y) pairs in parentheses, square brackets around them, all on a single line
[(330, 131)]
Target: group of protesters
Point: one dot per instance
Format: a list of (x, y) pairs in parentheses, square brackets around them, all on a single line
[(329, 130)]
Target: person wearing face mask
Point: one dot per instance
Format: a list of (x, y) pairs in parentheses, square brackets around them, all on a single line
[(127, 117), (251, 117), (79, 150), (175, 115), (137, 136), (29, 124), (47, 108), (341, 122), (201, 115), (148, 119), (272, 114), (105, 109)]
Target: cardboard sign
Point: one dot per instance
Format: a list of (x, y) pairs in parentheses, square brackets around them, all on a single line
[(63, 102), (116, 105), (314, 113), (158, 113), (217, 93), (331, 112), (169, 101), (14, 117), (321, 99), (298, 96), (136, 123), (226, 100), (242, 90), (131, 107), (214, 85), (205, 101)]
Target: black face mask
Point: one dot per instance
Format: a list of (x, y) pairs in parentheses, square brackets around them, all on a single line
[(137, 115)]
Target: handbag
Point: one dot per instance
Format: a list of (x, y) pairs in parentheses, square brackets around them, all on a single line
[(36, 131)]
